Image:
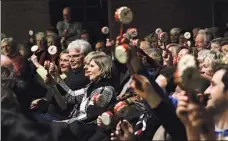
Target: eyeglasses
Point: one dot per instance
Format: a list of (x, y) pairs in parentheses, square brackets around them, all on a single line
[(75, 56)]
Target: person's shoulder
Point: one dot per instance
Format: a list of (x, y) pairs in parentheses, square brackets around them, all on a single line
[(60, 23)]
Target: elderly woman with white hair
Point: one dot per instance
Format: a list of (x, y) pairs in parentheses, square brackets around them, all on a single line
[(207, 60), (98, 69)]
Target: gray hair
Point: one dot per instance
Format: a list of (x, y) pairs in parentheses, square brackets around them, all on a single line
[(217, 40), (81, 45), (175, 31), (103, 61), (207, 36), (207, 55)]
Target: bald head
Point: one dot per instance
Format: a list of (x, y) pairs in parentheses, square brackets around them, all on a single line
[(6, 61), (66, 14)]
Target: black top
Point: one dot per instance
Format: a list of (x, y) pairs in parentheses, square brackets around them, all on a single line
[(76, 79)]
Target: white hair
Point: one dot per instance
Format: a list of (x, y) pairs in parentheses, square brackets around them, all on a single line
[(207, 36), (81, 45), (206, 55)]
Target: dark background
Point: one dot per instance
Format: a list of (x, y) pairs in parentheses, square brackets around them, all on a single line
[(19, 16)]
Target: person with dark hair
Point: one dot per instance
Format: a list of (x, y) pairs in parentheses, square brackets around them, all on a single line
[(166, 80), (16, 127), (215, 126), (51, 30)]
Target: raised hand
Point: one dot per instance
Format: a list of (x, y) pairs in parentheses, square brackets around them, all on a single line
[(53, 71), (182, 109), (124, 132), (196, 117), (142, 87), (35, 60)]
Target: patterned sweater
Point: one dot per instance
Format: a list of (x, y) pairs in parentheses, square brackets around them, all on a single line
[(84, 109)]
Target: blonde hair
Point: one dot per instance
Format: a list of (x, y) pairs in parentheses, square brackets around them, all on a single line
[(41, 34), (102, 60), (91, 55)]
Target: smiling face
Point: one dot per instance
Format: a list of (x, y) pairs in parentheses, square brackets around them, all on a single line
[(218, 98), (92, 70), (76, 58), (64, 62)]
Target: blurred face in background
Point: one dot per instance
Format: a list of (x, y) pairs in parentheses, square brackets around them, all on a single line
[(66, 15), (215, 47), (154, 42), (225, 49), (174, 37), (195, 32), (50, 41), (40, 41), (5, 48), (200, 42)]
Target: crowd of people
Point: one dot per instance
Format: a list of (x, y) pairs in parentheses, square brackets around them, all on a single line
[(83, 93)]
